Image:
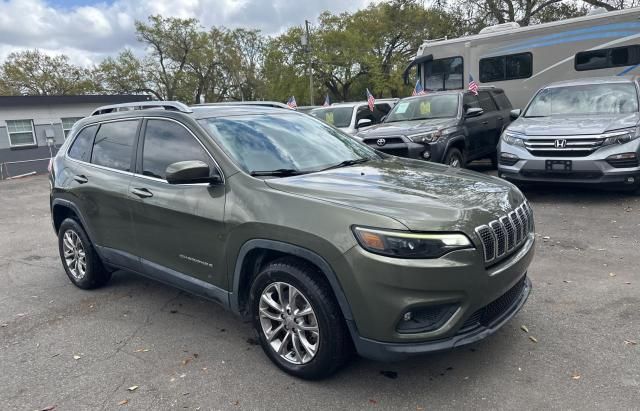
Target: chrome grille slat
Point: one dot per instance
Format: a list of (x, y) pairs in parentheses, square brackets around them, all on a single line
[(503, 235)]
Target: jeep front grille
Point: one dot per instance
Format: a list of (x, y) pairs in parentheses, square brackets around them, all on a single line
[(502, 236)]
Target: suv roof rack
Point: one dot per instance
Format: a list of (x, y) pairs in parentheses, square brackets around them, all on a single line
[(143, 105)]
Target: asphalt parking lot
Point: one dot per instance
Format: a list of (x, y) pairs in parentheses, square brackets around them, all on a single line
[(73, 349)]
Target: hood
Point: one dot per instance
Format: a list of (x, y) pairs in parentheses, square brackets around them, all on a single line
[(421, 195), (407, 127), (573, 125)]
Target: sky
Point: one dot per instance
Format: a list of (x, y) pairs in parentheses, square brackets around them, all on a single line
[(89, 30)]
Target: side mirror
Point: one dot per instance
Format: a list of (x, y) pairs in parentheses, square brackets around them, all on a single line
[(191, 172), (474, 112), (514, 114), (363, 122)]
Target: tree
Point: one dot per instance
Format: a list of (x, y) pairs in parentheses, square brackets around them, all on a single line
[(124, 74), (172, 41), (611, 5), (35, 73)]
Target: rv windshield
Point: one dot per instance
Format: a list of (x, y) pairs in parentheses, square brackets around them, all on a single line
[(430, 106), (612, 98), (336, 116)]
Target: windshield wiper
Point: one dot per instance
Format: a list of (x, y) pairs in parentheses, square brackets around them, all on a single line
[(280, 172), (534, 116), (347, 163)]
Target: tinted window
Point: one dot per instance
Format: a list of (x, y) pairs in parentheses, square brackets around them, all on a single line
[(336, 116), (501, 68), (425, 107), (379, 111), (166, 142), (443, 74), (501, 99), (470, 101), (81, 147), (606, 58), (486, 102), (113, 146)]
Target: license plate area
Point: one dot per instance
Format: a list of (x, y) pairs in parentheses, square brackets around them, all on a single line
[(558, 165)]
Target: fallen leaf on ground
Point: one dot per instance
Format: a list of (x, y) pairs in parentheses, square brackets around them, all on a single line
[(373, 401), (195, 355), (630, 342), (76, 357), (4, 325), (532, 338), (524, 328), (236, 403), (419, 408), (133, 388), (142, 350), (575, 376), (183, 375), (123, 402), (612, 274), (546, 237), (627, 282), (49, 408), (566, 281), (186, 361)]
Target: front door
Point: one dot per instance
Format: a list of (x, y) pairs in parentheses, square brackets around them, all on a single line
[(177, 226), (476, 128)]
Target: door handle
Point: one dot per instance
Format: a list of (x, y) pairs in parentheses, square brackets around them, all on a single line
[(142, 192), (485, 122), (81, 179), (499, 118)]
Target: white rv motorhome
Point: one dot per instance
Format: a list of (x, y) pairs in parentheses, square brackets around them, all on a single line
[(521, 60)]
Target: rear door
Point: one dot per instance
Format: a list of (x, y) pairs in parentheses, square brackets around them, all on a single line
[(177, 226), (492, 119), (476, 128), (100, 170)]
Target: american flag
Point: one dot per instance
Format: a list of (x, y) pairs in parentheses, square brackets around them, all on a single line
[(327, 102), (418, 90), (292, 103), (371, 100), (473, 86)]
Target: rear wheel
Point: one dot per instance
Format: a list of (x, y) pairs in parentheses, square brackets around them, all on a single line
[(454, 158), (79, 259), (297, 318)]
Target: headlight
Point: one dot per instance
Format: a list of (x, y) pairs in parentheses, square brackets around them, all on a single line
[(431, 136), (402, 244), (621, 136), (514, 139)]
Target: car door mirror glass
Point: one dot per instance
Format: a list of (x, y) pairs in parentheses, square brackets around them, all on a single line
[(515, 113), (474, 112), (364, 122), (191, 172)]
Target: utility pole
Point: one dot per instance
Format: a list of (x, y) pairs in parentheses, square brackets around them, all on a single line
[(306, 23)]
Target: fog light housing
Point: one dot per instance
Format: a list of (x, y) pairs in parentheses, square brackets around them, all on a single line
[(425, 319), (508, 159), (426, 155)]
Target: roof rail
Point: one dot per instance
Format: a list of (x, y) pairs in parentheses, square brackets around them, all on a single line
[(143, 105)]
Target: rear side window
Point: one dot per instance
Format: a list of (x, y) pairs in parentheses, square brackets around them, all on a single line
[(502, 100), (607, 58), (486, 102), (501, 68), (113, 146), (166, 142), (81, 147)]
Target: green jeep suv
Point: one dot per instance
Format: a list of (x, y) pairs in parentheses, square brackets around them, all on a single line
[(325, 244)]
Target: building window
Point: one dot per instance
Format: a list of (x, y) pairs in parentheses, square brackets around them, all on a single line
[(443, 74), (21, 133), (67, 124), (607, 58), (501, 68)]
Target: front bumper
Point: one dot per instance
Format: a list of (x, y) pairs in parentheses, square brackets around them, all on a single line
[(382, 290), (428, 151), (589, 170)]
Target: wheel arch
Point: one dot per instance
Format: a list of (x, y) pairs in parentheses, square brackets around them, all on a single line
[(62, 209), (257, 252)]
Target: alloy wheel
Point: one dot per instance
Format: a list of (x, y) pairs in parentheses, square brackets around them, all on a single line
[(454, 161), (289, 323), (74, 254)]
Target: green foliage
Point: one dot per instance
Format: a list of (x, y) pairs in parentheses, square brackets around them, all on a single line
[(348, 52)]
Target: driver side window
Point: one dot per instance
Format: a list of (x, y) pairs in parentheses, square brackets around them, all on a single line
[(167, 142), (470, 101)]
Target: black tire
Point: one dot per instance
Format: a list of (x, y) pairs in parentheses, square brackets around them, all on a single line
[(454, 158), (95, 275), (334, 346), (494, 160)]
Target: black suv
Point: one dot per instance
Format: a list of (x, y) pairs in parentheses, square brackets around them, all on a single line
[(451, 127)]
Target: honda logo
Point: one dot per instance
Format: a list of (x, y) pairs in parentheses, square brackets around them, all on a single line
[(560, 143), (381, 142)]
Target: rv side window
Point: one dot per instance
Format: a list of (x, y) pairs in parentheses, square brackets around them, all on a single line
[(443, 74), (501, 68), (607, 58)]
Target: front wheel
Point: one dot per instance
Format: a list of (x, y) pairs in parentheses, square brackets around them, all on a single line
[(454, 158), (298, 321)]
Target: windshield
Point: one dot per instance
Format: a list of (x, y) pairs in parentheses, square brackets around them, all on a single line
[(284, 142), (430, 106), (585, 99), (336, 116)]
